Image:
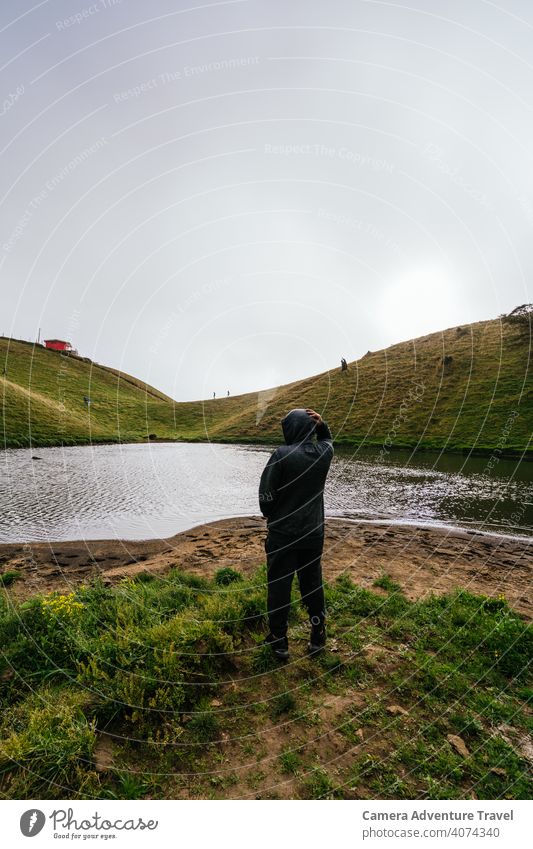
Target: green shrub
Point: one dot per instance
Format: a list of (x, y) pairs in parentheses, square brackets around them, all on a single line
[(385, 582), (142, 674), (481, 636), (186, 579), (510, 644), (44, 635), (8, 578), (263, 659), (203, 725), (226, 576), (237, 610), (318, 785), (48, 746), (289, 761), (282, 704)]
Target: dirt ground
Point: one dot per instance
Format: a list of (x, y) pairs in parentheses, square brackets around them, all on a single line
[(422, 560)]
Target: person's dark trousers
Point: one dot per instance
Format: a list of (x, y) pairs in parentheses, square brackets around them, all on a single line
[(282, 562)]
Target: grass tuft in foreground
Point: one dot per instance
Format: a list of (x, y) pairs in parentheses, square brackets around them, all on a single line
[(161, 688)]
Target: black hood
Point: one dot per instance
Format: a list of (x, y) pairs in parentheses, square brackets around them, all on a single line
[(298, 426)]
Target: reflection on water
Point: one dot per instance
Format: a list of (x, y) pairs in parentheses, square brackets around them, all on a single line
[(156, 490), (434, 489)]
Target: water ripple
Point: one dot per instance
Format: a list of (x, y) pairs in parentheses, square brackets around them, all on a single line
[(156, 490)]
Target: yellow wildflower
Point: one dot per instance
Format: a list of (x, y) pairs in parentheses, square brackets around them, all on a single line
[(62, 605)]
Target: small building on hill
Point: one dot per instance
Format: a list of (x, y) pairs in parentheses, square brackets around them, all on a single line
[(59, 345)]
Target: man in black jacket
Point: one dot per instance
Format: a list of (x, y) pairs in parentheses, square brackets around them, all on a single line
[(291, 497)]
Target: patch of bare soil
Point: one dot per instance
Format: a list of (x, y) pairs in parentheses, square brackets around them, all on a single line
[(421, 560)]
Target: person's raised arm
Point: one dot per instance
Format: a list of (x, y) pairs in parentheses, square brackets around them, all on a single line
[(323, 433)]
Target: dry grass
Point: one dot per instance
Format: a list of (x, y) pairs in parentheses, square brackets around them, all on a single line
[(464, 389)]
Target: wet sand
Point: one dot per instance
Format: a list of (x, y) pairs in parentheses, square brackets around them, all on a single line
[(422, 560)]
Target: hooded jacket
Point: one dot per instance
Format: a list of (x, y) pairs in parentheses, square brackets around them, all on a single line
[(291, 490)]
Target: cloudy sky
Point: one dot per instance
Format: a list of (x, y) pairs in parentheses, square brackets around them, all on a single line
[(232, 195)]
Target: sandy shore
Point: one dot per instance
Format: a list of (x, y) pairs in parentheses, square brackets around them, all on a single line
[(421, 560)]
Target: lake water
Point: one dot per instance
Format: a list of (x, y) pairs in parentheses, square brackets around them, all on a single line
[(156, 490)]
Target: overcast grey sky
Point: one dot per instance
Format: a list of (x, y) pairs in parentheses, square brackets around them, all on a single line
[(233, 195)]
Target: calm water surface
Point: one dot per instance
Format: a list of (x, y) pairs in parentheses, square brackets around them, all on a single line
[(156, 490)]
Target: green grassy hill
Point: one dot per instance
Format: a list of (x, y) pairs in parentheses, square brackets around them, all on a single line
[(43, 400), (464, 388)]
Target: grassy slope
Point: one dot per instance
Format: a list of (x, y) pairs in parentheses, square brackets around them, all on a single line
[(159, 688), (404, 394), (43, 404)]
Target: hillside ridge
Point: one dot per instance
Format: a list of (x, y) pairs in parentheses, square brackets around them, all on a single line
[(461, 389)]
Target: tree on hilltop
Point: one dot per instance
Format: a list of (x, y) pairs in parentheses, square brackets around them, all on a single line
[(521, 318)]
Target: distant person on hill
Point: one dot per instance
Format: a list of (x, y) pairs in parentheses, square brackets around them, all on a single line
[(344, 365), (291, 498), (214, 395)]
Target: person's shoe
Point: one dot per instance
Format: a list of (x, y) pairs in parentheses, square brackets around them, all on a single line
[(317, 638), (279, 646)]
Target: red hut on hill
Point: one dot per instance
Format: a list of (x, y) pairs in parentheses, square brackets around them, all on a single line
[(59, 345)]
